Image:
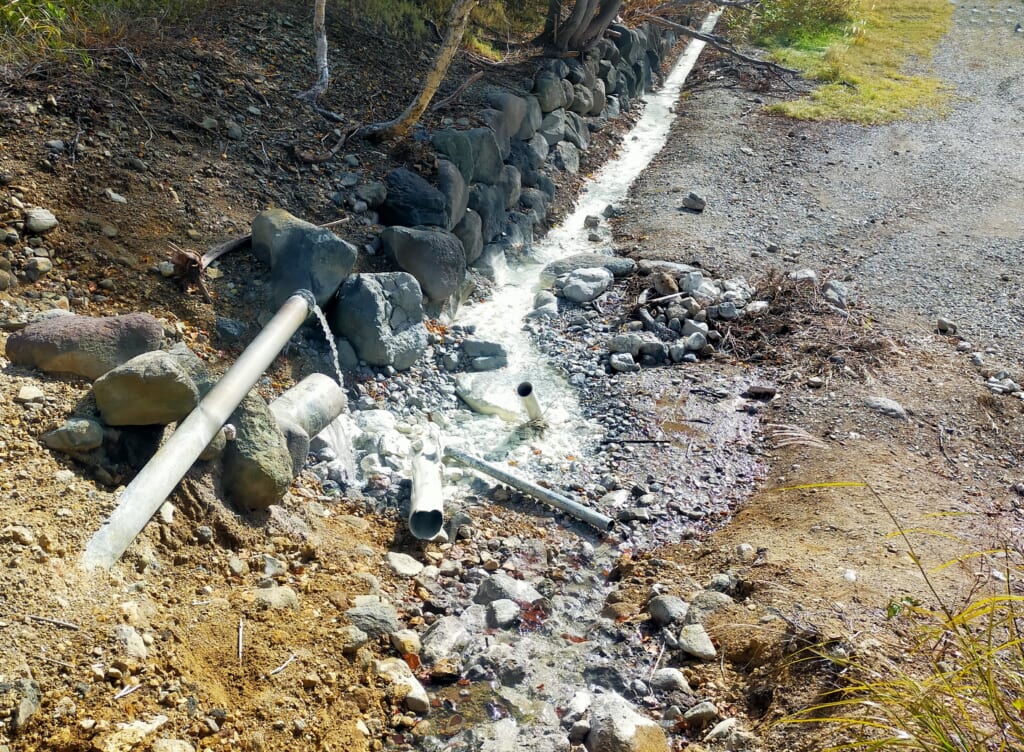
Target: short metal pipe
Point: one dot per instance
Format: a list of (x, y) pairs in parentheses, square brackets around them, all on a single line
[(567, 505), (529, 398), (147, 492)]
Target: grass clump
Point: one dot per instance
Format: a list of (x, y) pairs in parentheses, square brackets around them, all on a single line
[(960, 688), (860, 51)]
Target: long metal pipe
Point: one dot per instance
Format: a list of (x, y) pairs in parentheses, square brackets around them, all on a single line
[(529, 399), (556, 500), (143, 496)]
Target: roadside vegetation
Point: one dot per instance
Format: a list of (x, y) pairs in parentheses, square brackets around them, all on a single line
[(869, 56), (957, 685)]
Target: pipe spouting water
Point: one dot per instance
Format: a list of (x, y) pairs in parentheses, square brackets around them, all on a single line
[(147, 492)]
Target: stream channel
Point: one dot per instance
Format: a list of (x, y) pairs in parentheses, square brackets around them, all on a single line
[(520, 680)]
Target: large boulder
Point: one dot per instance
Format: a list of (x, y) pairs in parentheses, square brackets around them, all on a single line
[(489, 202), (469, 232), (301, 256), (534, 203), (498, 123), (531, 120), (583, 99), (566, 157), (382, 316), (547, 87), (412, 201), (615, 726), (433, 256), (552, 128), (150, 389), (514, 108), (511, 185), (83, 345), (456, 192), (600, 99), (527, 159), (576, 131), (257, 464), (617, 265), (455, 146), (487, 156)]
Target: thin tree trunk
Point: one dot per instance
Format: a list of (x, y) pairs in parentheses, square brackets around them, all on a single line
[(323, 77), (606, 13), (582, 12), (458, 20)]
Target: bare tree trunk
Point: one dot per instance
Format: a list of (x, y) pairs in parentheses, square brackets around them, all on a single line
[(553, 20), (323, 77), (458, 20), (582, 12), (606, 13)]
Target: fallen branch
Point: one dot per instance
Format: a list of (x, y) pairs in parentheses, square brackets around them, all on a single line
[(310, 157), (54, 622), (458, 92), (720, 44)]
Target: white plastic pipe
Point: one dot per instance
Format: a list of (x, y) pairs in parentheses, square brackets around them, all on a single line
[(312, 404), (426, 509), (154, 483), (529, 398), (567, 505)]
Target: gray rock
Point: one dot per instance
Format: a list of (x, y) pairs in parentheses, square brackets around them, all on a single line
[(944, 325), (552, 127), (489, 202), (403, 564), (373, 194), (479, 348), (836, 294), (454, 145), (470, 232), (576, 131), (443, 639), (150, 389), (531, 120), (23, 698), (501, 586), (547, 86), (412, 201), (277, 597), (76, 435), (83, 345), (30, 394), (40, 221), (375, 617), (512, 107), (696, 342), (704, 603), (37, 267), (257, 464), (566, 157), (455, 190), (694, 641), (623, 363), (350, 638), (669, 680), (618, 266), (701, 714), (727, 311), (487, 157), (616, 726), (502, 613), (499, 126), (301, 256), (666, 609), (584, 285), (627, 342), (694, 202), (599, 93), (381, 315), (582, 100), (434, 256), (511, 185), (886, 406)]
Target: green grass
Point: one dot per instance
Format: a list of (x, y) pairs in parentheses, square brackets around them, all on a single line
[(862, 52)]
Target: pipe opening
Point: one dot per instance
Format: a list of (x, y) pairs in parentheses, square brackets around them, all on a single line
[(525, 389), (425, 525)]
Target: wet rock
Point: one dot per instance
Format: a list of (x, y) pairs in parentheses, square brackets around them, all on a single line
[(40, 221), (277, 597), (584, 285), (301, 256), (886, 406), (149, 389), (382, 316), (257, 464), (374, 616), (76, 435), (412, 201), (617, 727), (397, 671), (500, 586), (667, 609), (443, 639), (434, 256), (694, 641), (502, 613), (618, 266), (83, 345)]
